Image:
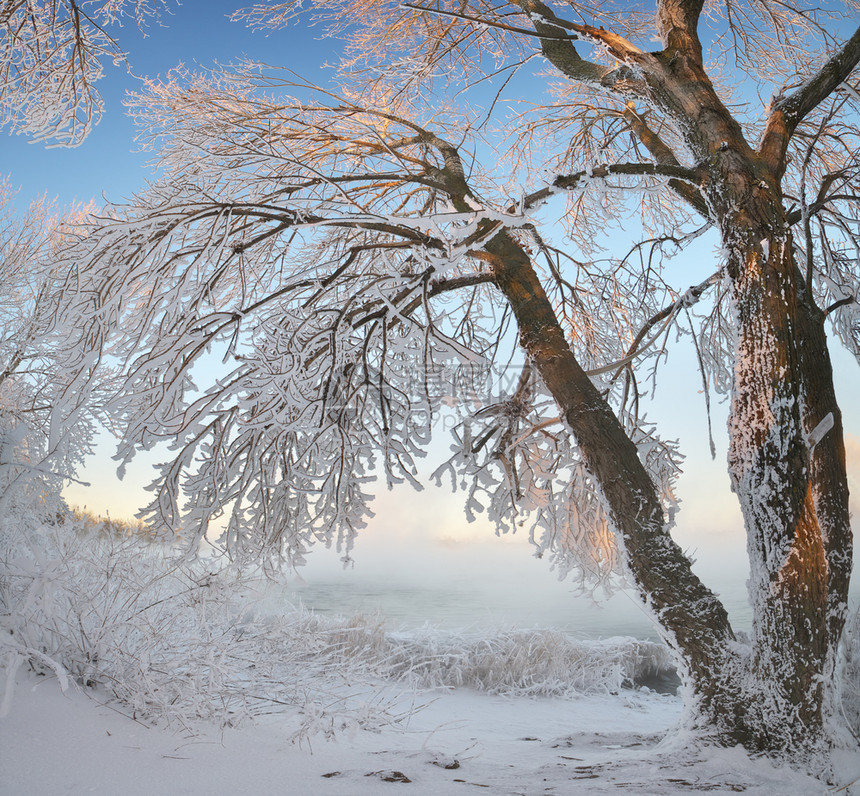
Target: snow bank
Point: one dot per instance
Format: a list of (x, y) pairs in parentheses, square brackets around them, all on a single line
[(463, 742), (185, 644)]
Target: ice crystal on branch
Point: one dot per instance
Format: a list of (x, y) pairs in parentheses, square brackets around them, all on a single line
[(49, 406)]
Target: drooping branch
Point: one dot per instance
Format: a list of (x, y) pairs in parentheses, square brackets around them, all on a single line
[(51, 56), (689, 298)]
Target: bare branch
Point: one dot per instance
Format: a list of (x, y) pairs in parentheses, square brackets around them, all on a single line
[(788, 112)]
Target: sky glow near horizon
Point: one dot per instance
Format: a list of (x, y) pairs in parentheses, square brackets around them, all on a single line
[(199, 34)]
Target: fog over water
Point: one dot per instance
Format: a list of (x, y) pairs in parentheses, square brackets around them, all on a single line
[(422, 563), (515, 596)]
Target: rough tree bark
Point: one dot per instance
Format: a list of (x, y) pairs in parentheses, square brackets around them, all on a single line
[(787, 464)]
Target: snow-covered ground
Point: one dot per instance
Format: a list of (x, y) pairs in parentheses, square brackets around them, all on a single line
[(129, 670), (459, 742)]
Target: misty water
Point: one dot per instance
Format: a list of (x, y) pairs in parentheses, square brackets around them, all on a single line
[(483, 585)]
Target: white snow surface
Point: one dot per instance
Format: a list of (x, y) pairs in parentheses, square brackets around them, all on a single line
[(459, 742)]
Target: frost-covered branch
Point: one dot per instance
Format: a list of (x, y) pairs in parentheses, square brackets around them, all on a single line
[(572, 182), (46, 422), (788, 111), (52, 52)]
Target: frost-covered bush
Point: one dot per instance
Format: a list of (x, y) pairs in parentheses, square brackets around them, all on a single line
[(849, 685), (177, 641), (511, 662)]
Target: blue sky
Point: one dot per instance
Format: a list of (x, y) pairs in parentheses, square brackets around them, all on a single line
[(108, 164), (197, 33)]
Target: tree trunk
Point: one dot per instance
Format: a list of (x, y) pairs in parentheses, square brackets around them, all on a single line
[(787, 467), (694, 621), (770, 695)]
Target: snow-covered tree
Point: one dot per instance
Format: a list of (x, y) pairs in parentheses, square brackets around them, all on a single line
[(357, 259), (47, 413), (52, 52)]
